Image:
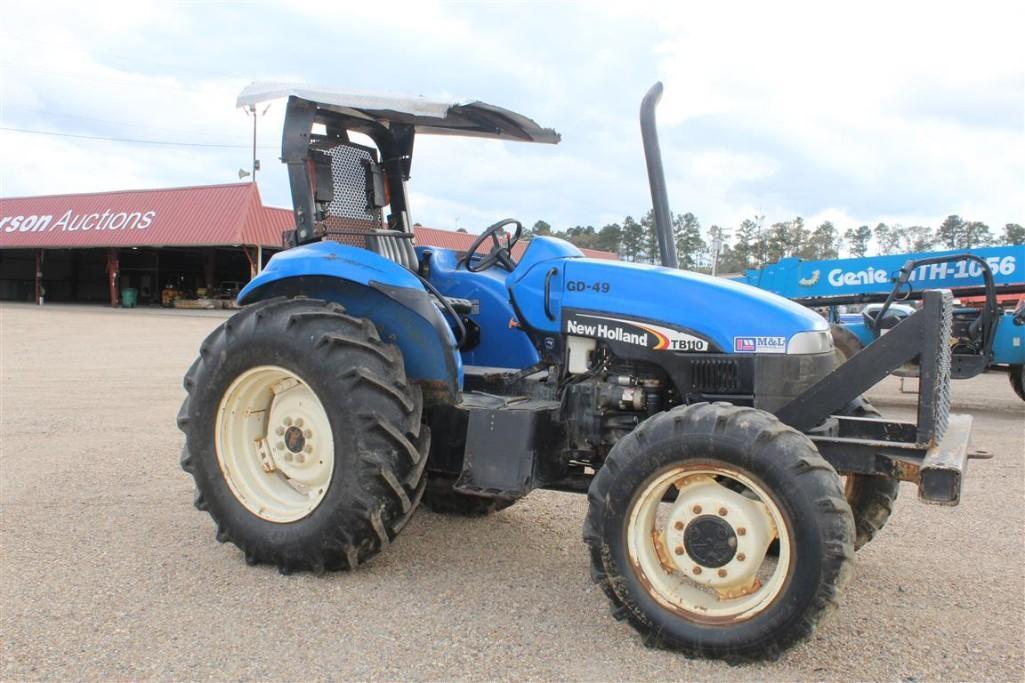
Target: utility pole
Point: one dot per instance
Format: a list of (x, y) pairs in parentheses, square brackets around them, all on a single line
[(251, 111), (716, 246)]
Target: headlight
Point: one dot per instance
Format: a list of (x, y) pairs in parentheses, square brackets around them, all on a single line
[(819, 341)]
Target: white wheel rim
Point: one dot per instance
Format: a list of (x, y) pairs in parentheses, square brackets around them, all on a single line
[(711, 592), (274, 444)]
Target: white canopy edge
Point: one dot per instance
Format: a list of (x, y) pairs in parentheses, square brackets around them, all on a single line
[(428, 115)]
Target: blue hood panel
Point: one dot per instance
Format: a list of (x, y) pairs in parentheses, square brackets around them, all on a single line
[(719, 310)]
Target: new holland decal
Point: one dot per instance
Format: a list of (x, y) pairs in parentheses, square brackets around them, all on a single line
[(648, 335)]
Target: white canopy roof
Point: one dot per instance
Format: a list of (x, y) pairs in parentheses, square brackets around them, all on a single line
[(460, 117)]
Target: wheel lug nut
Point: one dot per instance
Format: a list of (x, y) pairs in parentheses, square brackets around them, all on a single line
[(741, 531), (308, 433), (741, 557), (298, 422), (679, 550), (299, 457), (288, 457), (280, 431), (696, 509), (679, 526), (722, 573), (280, 445), (309, 448), (288, 422), (696, 570), (722, 512)]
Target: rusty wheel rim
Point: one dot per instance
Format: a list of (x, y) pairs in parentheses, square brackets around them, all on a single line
[(705, 555)]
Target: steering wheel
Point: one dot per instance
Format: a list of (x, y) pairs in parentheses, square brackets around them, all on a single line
[(500, 254)]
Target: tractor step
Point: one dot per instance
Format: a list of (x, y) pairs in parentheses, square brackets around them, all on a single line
[(505, 441)]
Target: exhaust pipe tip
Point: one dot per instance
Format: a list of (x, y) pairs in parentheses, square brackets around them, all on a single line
[(656, 177)]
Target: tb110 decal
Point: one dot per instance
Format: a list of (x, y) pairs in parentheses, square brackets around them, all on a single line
[(637, 333)]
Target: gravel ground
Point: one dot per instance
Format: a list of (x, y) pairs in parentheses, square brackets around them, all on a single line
[(108, 572)]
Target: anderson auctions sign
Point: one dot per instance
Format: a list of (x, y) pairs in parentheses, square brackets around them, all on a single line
[(70, 221)]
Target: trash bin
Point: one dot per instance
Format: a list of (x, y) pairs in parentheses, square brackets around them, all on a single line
[(129, 297)]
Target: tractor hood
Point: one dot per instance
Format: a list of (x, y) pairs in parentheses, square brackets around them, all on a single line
[(732, 317)]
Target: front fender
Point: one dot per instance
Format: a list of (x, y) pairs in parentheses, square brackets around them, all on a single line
[(370, 286)]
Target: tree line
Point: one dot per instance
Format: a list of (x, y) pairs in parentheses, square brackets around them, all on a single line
[(753, 243)]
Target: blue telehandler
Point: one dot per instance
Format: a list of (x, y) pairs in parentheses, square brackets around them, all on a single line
[(990, 336), (730, 470)]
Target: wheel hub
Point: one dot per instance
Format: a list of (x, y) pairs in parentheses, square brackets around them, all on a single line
[(718, 537), (294, 439), (710, 541), (274, 444), (704, 553)]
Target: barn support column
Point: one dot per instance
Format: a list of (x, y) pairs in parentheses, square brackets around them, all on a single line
[(253, 268), (209, 269), (113, 267), (39, 277)]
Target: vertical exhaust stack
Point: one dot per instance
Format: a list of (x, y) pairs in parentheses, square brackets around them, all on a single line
[(657, 178)]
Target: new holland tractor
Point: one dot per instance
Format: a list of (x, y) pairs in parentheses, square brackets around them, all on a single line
[(730, 471)]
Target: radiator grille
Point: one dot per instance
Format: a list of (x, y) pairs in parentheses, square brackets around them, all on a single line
[(715, 374)]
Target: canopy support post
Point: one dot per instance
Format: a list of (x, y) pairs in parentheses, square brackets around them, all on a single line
[(113, 267), (39, 277)]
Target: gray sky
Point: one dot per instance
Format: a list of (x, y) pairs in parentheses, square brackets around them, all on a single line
[(861, 112)]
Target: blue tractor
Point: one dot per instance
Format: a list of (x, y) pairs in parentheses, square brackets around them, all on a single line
[(730, 470)]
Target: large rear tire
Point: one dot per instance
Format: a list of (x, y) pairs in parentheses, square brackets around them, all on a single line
[(303, 436), (1016, 373), (680, 519)]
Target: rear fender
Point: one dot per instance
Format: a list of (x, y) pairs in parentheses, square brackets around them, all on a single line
[(370, 286)]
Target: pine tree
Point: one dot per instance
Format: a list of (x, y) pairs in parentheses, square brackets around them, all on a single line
[(858, 239), (541, 228), (822, 244), (610, 238), (690, 247), (1013, 234), (951, 232), (977, 234), (632, 240), (888, 238), (918, 238), (746, 249)]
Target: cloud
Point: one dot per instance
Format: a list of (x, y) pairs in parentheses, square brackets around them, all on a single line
[(869, 112)]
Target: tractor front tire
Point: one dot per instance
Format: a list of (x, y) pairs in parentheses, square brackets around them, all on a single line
[(441, 498), (303, 436), (1016, 373), (680, 519)]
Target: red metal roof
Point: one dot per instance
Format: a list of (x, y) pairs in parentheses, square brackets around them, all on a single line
[(461, 241), (205, 215)]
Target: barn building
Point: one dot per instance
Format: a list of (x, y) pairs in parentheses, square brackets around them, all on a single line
[(92, 248)]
